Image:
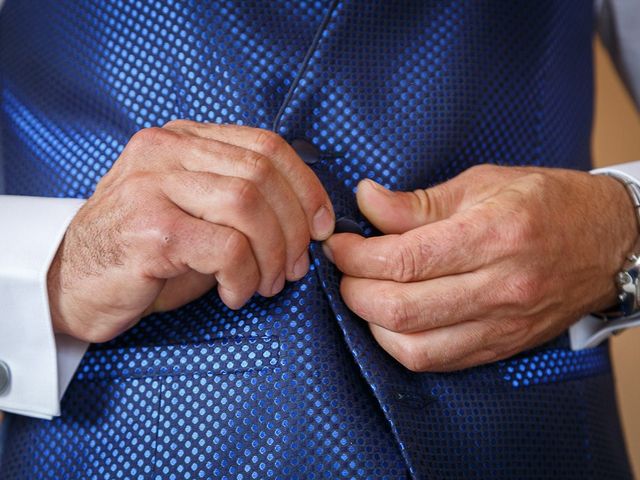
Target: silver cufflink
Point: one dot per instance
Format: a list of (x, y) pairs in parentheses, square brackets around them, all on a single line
[(5, 377)]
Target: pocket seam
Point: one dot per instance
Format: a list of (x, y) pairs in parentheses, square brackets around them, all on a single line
[(161, 361)]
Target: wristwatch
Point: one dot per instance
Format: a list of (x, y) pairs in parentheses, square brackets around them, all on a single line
[(628, 279), (628, 287)]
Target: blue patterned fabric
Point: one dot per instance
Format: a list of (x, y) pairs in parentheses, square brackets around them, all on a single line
[(3, 429), (408, 93)]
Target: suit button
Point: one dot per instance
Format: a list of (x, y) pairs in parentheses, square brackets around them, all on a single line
[(306, 151), (347, 225), (5, 377)]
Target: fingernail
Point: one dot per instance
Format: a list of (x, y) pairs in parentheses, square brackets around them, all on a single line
[(301, 266), (327, 252), (229, 299), (323, 222), (375, 185), (278, 284)]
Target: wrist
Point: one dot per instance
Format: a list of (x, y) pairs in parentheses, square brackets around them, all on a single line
[(54, 292), (621, 235)]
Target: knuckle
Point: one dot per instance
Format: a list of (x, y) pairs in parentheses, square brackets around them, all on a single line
[(482, 169), (315, 196), (244, 194), (427, 200), (404, 265), (395, 312), (500, 339), (177, 124), (495, 329), (490, 354), (423, 198), (412, 357), (511, 329), (259, 167), (523, 290), (537, 181), (269, 143), (484, 172), (148, 137)]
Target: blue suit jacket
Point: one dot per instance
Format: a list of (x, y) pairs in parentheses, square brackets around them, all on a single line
[(409, 93)]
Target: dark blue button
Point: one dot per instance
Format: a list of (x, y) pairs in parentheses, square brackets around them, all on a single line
[(348, 225), (306, 151)]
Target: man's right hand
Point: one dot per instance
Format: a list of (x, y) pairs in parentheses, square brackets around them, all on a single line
[(186, 207)]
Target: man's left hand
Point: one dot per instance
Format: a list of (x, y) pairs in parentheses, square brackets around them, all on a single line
[(486, 265)]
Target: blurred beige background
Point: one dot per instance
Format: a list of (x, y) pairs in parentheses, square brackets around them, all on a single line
[(617, 139)]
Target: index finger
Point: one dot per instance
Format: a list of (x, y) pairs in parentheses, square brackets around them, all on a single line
[(312, 196), (447, 247)]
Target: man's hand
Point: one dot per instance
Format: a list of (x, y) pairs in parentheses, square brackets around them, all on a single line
[(185, 208), (491, 263)]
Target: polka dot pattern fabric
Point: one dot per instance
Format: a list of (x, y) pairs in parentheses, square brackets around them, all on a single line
[(408, 93)]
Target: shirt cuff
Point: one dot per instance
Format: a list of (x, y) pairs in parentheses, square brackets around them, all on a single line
[(40, 364), (590, 331)]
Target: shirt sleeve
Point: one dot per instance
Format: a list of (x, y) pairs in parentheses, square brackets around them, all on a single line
[(37, 364), (591, 330), (618, 22)]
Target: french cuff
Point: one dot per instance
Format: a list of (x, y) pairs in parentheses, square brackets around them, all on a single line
[(591, 330), (38, 364)]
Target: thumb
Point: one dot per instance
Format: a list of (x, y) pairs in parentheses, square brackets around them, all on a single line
[(398, 212)]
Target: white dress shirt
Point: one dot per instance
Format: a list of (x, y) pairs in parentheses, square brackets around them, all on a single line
[(42, 363)]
